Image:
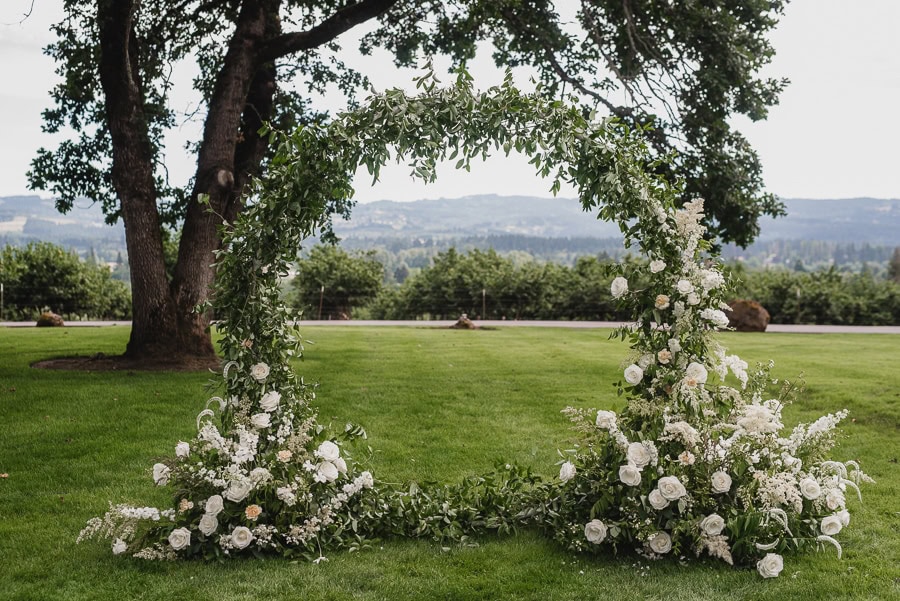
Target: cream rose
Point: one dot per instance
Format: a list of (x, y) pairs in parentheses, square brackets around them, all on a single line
[(161, 474), (259, 372), (261, 420), (328, 471), (284, 455), (638, 454), (831, 525), (684, 287), (208, 524), (595, 531), (696, 371), (630, 475), (567, 471), (328, 451), (661, 302), (658, 501), (241, 537), (670, 488), (238, 490), (712, 525), (619, 287), (770, 566), (180, 538), (633, 374), (270, 401), (721, 482), (182, 449), (810, 488), (687, 458), (664, 356), (252, 511), (606, 419), (660, 542), (214, 505)]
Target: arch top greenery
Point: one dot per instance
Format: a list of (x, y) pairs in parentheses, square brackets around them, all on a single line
[(689, 464)]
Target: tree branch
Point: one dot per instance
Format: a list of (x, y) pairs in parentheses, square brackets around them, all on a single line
[(341, 21)]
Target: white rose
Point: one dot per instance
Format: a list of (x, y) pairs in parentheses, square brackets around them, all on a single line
[(208, 524), (366, 480), (238, 490), (834, 500), (241, 537), (657, 266), (260, 372), (770, 566), (160, 474), (619, 287), (693, 299), (606, 419), (630, 475), (269, 402), (721, 482), (261, 420), (327, 470), (674, 345), (831, 525), (661, 543), (595, 531), (260, 474), (182, 449), (638, 455), (633, 374), (214, 505), (566, 471), (710, 279), (696, 371), (712, 525), (844, 515), (658, 501), (119, 547), (684, 287), (671, 488), (180, 538), (718, 318), (328, 451), (341, 465), (810, 488)]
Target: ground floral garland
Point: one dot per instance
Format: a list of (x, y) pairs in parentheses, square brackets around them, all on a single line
[(688, 465)]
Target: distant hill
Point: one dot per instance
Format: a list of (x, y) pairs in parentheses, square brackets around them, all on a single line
[(854, 230), (845, 220)]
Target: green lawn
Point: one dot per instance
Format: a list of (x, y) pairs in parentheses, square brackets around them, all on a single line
[(438, 404)]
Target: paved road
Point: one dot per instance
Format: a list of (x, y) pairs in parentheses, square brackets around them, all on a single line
[(775, 328)]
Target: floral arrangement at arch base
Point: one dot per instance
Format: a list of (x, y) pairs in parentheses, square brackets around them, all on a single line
[(698, 461)]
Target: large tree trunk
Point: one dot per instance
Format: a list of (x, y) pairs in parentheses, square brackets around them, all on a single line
[(132, 172), (230, 152)]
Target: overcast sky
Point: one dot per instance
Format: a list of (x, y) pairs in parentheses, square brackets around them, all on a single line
[(834, 135)]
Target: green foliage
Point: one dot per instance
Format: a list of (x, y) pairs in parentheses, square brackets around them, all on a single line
[(43, 275), (330, 282), (823, 297)]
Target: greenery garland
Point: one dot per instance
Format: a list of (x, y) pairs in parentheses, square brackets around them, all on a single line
[(688, 465)]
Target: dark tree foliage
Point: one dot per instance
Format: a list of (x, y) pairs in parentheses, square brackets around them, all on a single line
[(330, 282), (682, 68)]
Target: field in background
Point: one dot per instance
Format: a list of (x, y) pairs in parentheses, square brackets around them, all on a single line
[(438, 404)]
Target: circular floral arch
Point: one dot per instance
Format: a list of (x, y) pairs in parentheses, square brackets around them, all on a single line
[(688, 464)]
